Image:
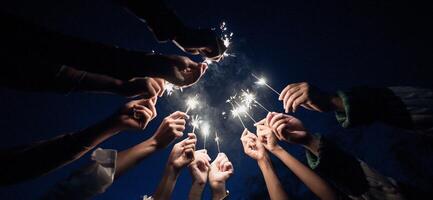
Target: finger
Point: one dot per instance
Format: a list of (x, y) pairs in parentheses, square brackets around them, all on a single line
[(261, 122), (190, 146), (301, 100), (161, 84), (178, 128), (181, 122), (244, 133), (178, 114), (269, 117), (178, 134), (289, 101), (192, 136), (275, 119), (287, 88)]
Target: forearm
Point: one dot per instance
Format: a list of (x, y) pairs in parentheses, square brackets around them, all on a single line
[(219, 191), (46, 156), (131, 157), (313, 181), (166, 186), (196, 191), (275, 189)]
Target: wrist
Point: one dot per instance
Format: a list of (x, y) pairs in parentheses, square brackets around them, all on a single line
[(276, 149), (219, 190), (312, 144)]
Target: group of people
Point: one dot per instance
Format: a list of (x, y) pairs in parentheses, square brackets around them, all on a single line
[(40, 60)]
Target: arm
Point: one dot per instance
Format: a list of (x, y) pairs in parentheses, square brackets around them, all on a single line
[(46, 156), (181, 155), (273, 184), (199, 170), (220, 171), (255, 149)]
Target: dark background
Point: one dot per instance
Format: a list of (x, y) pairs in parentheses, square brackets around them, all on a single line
[(331, 44)]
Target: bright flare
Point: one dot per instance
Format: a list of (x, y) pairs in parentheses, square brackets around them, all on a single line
[(205, 129), (195, 123), (191, 103)]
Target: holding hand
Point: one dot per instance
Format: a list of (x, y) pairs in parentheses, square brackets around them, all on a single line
[(171, 127), (220, 170), (136, 114), (252, 147), (200, 41), (305, 95), (199, 168), (183, 152), (266, 136), (142, 87), (288, 128), (179, 70)]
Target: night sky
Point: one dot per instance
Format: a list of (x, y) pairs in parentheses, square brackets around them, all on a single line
[(332, 44)]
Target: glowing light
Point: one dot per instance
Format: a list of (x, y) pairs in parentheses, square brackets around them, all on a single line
[(235, 111), (191, 103), (217, 140), (170, 88), (262, 81), (195, 123), (205, 129), (249, 98)]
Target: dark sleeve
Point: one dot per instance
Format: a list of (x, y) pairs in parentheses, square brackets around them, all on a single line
[(352, 177), (334, 165), (161, 20), (32, 57), (27, 162)]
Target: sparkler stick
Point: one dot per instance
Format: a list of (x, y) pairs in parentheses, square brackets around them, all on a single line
[(217, 140), (195, 122), (248, 98), (235, 113), (262, 81), (243, 109)]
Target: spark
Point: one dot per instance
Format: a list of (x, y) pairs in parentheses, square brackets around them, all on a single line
[(191, 103), (195, 123), (217, 140), (205, 129), (244, 109), (235, 111), (262, 81), (249, 98), (170, 88)]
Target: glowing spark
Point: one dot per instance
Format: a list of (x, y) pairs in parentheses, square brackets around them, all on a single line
[(249, 98), (205, 129), (170, 88), (217, 140), (244, 109), (191, 103), (262, 81), (235, 111), (195, 123)]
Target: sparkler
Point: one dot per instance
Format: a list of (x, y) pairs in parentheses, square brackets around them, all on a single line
[(205, 131), (191, 103), (262, 81), (170, 88), (249, 98), (226, 37), (235, 111), (217, 140), (195, 123), (244, 109)]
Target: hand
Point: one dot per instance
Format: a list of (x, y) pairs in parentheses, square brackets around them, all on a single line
[(178, 70), (199, 168), (220, 170), (305, 95), (183, 152), (252, 147), (171, 127), (266, 136), (200, 41), (288, 128), (136, 114), (143, 87)]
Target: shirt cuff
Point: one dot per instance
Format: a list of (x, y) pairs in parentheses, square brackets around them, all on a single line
[(344, 117), (313, 160)]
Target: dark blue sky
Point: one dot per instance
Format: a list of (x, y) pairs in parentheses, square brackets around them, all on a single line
[(332, 44)]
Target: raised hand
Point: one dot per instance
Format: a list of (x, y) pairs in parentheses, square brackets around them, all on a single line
[(220, 170), (288, 128), (182, 153), (199, 168), (266, 136), (171, 127), (136, 114), (142, 87), (305, 95), (252, 146)]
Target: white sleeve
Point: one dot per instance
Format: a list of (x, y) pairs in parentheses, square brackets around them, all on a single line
[(88, 181)]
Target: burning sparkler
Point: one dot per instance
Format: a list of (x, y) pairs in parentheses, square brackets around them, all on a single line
[(170, 88), (244, 109), (195, 123), (205, 131), (226, 37), (217, 140), (191, 103), (262, 81), (249, 98), (235, 111)]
